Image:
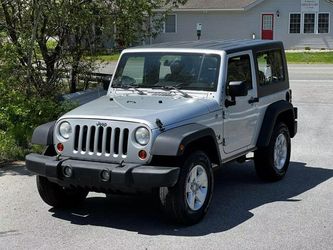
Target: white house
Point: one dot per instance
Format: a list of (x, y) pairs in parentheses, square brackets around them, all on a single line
[(298, 23)]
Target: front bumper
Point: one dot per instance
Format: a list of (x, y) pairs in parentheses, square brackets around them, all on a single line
[(87, 174)]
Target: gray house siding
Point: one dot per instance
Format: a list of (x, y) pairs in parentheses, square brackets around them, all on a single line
[(242, 25)]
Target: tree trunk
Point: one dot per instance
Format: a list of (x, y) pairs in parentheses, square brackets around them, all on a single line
[(36, 15), (75, 72), (74, 79)]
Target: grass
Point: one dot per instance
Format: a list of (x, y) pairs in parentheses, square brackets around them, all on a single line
[(106, 57), (310, 57)]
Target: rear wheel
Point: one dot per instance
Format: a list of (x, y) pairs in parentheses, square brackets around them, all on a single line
[(188, 201), (272, 162), (57, 196)]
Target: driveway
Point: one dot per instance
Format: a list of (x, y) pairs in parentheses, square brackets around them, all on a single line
[(295, 213)]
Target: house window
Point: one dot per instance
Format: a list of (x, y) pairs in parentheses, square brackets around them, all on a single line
[(295, 23), (309, 23), (323, 22), (170, 24), (267, 22)]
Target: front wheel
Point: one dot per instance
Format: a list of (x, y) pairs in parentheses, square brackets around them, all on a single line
[(188, 201), (272, 162), (57, 196)]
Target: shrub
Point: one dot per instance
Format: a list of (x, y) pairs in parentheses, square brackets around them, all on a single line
[(8, 149), (19, 115)]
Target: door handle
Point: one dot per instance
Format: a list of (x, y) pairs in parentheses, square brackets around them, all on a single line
[(253, 100)]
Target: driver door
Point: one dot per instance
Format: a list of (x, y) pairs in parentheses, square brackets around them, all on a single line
[(240, 119)]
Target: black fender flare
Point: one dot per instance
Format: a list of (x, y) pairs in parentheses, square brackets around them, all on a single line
[(271, 115), (168, 143), (43, 134)]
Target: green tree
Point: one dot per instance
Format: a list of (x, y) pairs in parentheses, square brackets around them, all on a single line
[(42, 40), (135, 21), (71, 26), (31, 25)]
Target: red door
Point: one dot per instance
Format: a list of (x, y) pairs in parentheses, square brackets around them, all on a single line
[(267, 26)]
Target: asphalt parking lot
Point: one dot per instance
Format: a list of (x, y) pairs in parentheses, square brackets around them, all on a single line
[(295, 213)]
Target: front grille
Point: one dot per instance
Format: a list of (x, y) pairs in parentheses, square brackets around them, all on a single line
[(98, 140)]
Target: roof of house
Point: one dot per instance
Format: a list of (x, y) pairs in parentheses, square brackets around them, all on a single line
[(218, 5)]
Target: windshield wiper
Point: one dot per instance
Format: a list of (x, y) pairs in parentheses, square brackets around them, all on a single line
[(129, 87), (175, 87)]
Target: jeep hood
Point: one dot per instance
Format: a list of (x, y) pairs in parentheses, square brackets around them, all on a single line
[(144, 109)]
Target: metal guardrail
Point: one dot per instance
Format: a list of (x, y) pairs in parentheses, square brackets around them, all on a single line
[(98, 77), (90, 94), (85, 96)]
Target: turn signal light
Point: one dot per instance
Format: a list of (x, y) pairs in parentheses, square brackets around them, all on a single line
[(60, 147), (142, 154)]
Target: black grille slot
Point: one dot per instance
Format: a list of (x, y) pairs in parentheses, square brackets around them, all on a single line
[(125, 141), (100, 139), (116, 141), (108, 141), (76, 138), (84, 138), (92, 138)]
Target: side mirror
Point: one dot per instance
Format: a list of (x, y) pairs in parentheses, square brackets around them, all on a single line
[(237, 88)]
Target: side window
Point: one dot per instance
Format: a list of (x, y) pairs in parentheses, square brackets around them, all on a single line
[(239, 69), (270, 67)]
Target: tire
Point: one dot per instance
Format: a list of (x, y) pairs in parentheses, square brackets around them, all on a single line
[(272, 162), (57, 196), (181, 203)]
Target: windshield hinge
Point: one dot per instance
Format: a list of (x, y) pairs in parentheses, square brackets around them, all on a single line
[(160, 125)]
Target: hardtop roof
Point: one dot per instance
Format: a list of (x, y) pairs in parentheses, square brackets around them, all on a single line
[(229, 46)]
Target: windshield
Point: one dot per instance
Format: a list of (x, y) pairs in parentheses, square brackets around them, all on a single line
[(192, 71)]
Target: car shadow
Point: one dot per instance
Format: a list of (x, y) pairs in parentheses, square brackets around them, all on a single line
[(14, 168), (237, 192)]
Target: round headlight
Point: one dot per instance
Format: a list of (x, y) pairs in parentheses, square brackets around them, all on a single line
[(65, 130), (142, 136)]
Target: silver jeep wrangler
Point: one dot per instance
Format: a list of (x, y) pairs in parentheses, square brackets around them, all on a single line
[(173, 113)]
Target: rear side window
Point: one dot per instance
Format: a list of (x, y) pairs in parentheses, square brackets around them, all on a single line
[(270, 66)]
